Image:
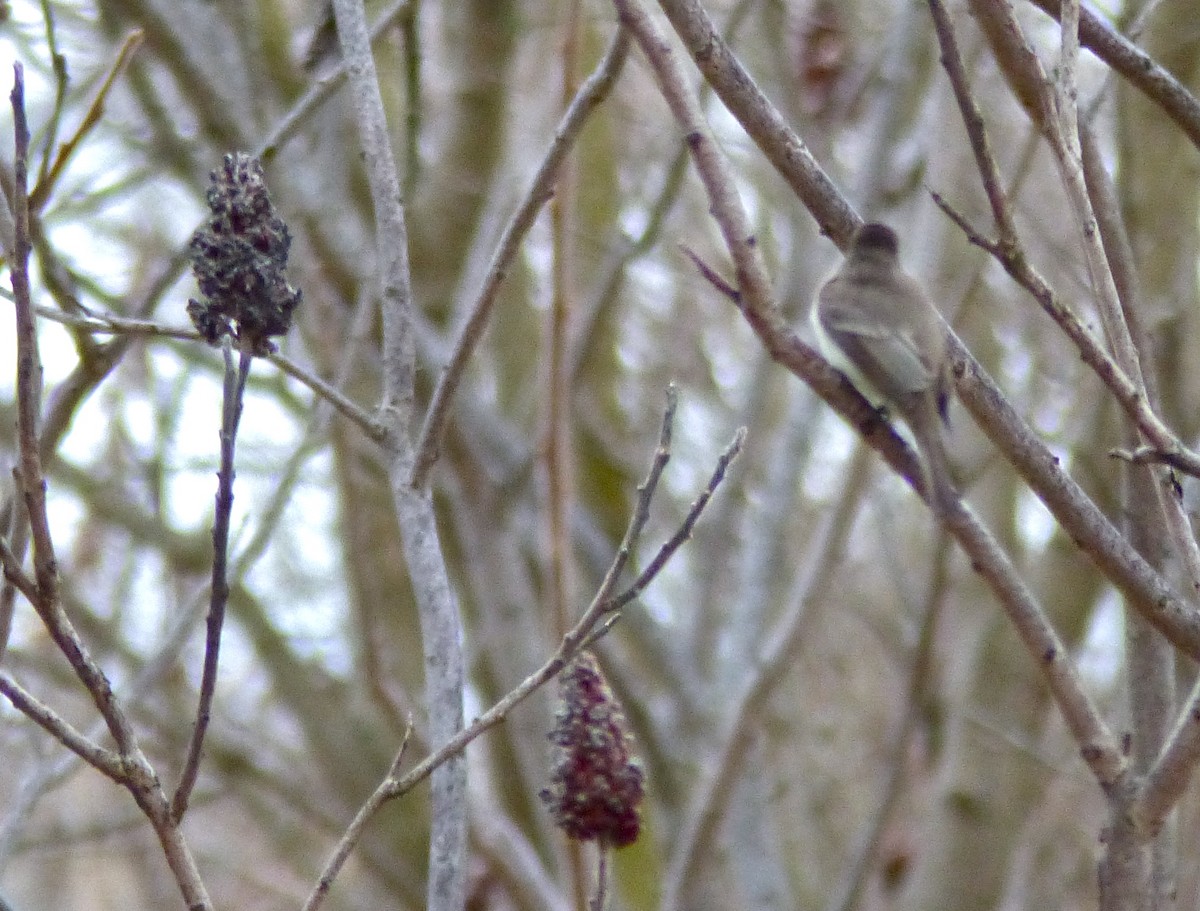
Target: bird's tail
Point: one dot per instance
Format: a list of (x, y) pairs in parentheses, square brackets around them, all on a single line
[(935, 464)]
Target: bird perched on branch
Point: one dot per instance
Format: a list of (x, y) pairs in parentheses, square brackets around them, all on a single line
[(875, 324)]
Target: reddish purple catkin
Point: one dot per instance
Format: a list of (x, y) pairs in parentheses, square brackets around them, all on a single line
[(595, 784)]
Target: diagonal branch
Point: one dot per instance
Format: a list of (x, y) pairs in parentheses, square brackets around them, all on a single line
[(106, 761), (1137, 67), (603, 608), (541, 189), (1098, 745)]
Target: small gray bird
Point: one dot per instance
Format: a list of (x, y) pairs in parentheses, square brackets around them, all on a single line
[(875, 324)]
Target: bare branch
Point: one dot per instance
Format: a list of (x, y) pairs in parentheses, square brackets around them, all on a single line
[(583, 634), (1098, 746), (541, 189), (759, 117), (1171, 775), (602, 605), (673, 543), (1137, 67), (350, 838), (29, 365), (972, 119), (31, 479), (231, 413), (441, 625), (106, 761), (323, 90), (95, 113), (15, 573), (110, 324)]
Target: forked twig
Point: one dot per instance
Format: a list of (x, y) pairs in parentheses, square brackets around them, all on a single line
[(354, 831), (595, 619)]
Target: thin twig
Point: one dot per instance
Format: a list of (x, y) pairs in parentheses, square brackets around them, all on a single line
[(614, 270), (541, 188), (1098, 745), (1146, 455), (972, 117), (1137, 67), (111, 324), (31, 479), (22, 804), (350, 838), (1091, 349), (1169, 778), (1121, 375), (600, 610), (293, 121), (600, 898), (105, 761), (641, 510), (93, 116), (344, 405), (684, 532), (757, 296), (231, 413), (602, 604), (15, 574), (29, 365)]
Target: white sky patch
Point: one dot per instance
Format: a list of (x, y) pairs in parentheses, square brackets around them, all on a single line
[(1102, 656), (57, 350), (827, 468), (65, 515), (1034, 521)]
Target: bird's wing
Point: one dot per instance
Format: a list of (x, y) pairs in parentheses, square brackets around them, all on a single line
[(885, 350)]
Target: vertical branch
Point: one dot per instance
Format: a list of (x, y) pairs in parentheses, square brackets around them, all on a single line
[(558, 428), (138, 777), (231, 413), (558, 460), (600, 897), (399, 345), (441, 625), (30, 477), (29, 363)]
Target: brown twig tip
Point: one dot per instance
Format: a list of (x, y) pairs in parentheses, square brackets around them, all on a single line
[(239, 257), (596, 784), (711, 276)]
